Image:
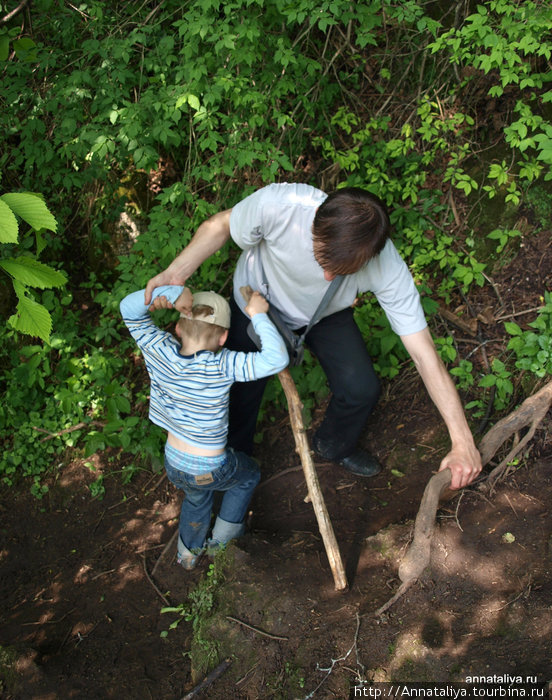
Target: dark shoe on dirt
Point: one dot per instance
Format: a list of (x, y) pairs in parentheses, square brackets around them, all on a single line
[(361, 463)]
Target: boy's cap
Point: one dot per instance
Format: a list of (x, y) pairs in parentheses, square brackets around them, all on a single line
[(221, 308)]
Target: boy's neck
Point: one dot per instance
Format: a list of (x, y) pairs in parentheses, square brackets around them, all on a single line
[(189, 347)]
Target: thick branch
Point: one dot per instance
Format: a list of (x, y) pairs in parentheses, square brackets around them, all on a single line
[(311, 477), (418, 555), (531, 412)]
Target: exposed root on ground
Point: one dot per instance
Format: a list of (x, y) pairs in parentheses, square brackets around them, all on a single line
[(417, 558), (530, 413)]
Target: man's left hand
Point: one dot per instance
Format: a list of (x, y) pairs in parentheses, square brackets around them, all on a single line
[(464, 463)]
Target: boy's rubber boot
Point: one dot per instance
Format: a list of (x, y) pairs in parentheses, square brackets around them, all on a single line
[(187, 560), (223, 532)]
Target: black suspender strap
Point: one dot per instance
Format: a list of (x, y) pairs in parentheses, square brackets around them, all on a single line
[(294, 342)]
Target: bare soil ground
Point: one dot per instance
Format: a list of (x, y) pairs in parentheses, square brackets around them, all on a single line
[(81, 609)]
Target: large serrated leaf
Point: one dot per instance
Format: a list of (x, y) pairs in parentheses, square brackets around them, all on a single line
[(31, 208), (31, 318), (8, 224), (30, 272)]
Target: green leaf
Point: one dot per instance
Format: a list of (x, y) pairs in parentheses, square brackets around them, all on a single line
[(512, 328), (31, 318), (31, 208), (4, 47), (25, 49), (8, 224), (30, 272)]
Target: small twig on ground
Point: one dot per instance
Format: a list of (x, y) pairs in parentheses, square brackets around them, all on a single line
[(14, 12), (159, 481), (329, 670), (164, 552), (48, 622), (216, 673), (454, 209), (519, 313), (405, 585), (524, 592), (243, 679), (78, 426), (279, 474), (511, 506), (257, 630), (457, 509), (152, 477), (289, 470), (495, 289), (163, 598), (112, 571)]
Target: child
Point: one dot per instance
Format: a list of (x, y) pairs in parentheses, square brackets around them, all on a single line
[(190, 384)]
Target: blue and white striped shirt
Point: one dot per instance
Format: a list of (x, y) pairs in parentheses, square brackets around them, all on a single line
[(189, 394)]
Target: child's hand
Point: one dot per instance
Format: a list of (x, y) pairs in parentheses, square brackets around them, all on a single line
[(184, 302), (257, 304), (160, 302)]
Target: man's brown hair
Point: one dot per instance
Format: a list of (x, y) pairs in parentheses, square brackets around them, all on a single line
[(350, 227), (208, 334)]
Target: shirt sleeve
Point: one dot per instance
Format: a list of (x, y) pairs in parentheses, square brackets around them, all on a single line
[(271, 359), (246, 219), (389, 278)]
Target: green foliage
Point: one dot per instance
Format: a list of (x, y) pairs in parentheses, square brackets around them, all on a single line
[(200, 610), (500, 380), (464, 374), (510, 43), (533, 353), (24, 270), (503, 237), (174, 112), (533, 349)]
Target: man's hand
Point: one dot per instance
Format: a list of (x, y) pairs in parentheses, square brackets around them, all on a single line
[(184, 303), (257, 304), (160, 280), (464, 464)]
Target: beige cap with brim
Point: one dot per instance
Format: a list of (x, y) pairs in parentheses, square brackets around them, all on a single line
[(221, 308)]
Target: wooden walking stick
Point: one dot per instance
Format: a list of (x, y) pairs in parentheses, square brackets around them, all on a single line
[(311, 477)]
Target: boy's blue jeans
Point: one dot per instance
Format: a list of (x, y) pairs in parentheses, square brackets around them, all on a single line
[(237, 477)]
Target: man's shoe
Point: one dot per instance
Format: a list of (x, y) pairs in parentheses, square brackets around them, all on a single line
[(361, 463)]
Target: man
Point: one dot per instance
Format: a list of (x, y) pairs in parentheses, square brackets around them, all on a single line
[(295, 239)]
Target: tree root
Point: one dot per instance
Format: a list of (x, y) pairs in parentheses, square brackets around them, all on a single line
[(417, 558), (418, 555), (531, 412)]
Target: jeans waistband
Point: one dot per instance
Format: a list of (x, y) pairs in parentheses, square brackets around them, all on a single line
[(193, 464)]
